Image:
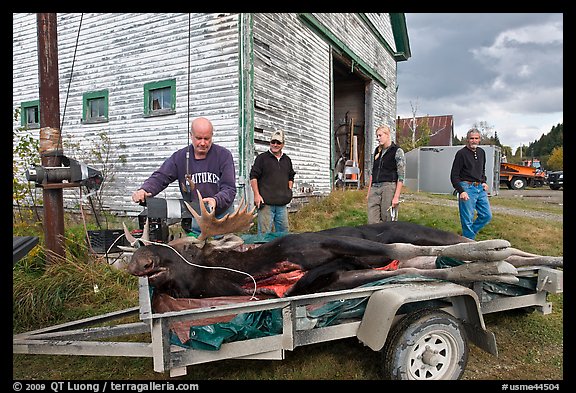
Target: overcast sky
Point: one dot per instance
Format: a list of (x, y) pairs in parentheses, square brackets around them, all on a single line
[(504, 69)]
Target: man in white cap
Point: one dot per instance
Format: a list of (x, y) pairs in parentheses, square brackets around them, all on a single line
[(271, 179)]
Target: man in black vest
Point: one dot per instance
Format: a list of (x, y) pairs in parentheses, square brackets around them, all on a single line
[(386, 180)]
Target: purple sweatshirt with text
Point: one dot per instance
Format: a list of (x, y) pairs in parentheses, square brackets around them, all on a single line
[(214, 176)]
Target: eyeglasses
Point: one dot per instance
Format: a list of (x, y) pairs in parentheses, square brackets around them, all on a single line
[(275, 142)]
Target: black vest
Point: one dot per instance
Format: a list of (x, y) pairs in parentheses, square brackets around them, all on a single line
[(384, 168)]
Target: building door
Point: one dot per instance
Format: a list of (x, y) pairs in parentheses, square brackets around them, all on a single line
[(349, 132)]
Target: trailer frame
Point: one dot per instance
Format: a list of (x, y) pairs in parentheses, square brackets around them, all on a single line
[(384, 308)]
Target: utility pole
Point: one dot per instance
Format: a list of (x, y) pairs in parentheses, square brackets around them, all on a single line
[(50, 138)]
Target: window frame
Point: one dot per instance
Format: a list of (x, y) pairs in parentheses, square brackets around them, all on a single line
[(24, 114), (86, 97), (148, 87)]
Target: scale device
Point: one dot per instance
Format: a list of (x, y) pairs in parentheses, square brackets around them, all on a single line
[(161, 213)]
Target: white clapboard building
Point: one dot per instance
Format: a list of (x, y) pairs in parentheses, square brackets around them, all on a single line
[(326, 79)]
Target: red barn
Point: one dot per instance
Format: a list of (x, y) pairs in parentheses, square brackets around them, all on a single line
[(441, 129)]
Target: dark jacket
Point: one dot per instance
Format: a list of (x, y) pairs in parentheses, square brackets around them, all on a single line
[(273, 176), (468, 166)]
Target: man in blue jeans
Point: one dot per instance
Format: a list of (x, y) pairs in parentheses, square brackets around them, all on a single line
[(468, 176), (271, 179)]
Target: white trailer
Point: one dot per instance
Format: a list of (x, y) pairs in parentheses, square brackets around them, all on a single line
[(422, 327), (428, 168)]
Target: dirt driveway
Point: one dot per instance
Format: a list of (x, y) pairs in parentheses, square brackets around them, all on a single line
[(543, 194)]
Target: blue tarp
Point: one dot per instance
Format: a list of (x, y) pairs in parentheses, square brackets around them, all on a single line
[(269, 322)]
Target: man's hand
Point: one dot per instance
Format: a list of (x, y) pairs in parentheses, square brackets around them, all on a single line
[(140, 195), (211, 202), (396, 201), (258, 200), (464, 196)]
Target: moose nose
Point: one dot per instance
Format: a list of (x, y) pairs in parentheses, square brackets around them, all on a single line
[(140, 265)]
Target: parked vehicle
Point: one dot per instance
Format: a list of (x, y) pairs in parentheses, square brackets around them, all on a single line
[(517, 177), (555, 179)]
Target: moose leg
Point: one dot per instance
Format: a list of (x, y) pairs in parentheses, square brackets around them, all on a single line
[(424, 262), (536, 260), (487, 250), (494, 271)]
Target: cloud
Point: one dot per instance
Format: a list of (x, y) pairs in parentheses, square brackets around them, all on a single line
[(504, 69)]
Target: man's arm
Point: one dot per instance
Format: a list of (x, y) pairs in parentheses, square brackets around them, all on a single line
[(224, 198), (258, 200), (158, 181), (455, 172), (401, 170), (484, 178), (255, 173)]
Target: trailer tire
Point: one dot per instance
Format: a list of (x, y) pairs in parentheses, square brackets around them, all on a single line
[(518, 183), (428, 344)]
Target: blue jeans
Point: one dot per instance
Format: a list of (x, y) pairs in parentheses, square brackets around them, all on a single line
[(478, 201), (272, 217)]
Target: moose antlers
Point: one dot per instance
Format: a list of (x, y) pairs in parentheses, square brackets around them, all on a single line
[(240, 220)]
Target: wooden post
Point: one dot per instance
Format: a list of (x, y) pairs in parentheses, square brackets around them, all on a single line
[(351, 137), (51, 152)]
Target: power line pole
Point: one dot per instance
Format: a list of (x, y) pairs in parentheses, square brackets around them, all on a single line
[(50, 139)]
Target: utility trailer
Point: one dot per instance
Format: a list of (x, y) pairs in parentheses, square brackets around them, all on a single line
[(421, 326)]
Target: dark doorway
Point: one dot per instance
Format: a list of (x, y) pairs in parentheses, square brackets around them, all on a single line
[(349, 136)]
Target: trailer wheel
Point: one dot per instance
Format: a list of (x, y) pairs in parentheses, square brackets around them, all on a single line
[(427, 344), (518, 183)]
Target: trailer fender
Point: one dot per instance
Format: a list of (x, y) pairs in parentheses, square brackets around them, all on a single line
[(384, 304), (550, 280)]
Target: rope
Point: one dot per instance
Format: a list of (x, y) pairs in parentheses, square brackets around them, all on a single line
[(188, 121), (206, 267)]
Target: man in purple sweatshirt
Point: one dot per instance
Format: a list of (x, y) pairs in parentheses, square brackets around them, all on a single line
[(209, 168)]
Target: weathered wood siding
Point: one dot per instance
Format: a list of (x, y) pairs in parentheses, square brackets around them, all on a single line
[(292, 86), (122, 52), (281, 79), (356, 35), (292, 92), (383, 25)]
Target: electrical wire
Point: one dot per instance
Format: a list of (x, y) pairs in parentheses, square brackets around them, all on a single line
[(253, 297), (70, 80), (188, 119)]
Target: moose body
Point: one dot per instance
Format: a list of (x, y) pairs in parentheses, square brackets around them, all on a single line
[(318, 254), (337, 258)]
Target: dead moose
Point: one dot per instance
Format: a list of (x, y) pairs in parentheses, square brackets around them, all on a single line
[(332, 259)]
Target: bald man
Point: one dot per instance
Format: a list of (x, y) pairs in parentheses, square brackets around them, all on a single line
[(209, 169)]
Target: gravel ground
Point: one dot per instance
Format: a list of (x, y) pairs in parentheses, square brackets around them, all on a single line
[(545, 195)]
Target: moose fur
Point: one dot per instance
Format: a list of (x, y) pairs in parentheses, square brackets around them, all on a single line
[(337, 258)]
